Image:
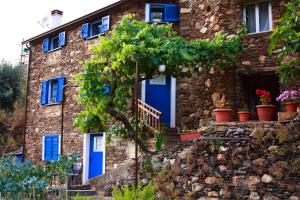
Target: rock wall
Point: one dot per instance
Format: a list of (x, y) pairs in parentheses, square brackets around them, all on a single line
[(231, 161)]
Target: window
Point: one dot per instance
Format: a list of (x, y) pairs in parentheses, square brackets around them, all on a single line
[(161, 12), (97, 27), (54, 42), (160, 80), (98, 143), (51, 147), (258, 17), (52, 91)]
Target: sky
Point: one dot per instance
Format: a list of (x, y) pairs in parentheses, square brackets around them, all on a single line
[(19, 20)]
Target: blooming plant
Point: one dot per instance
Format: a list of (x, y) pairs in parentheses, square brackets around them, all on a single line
[(288, 96), (265, 96)]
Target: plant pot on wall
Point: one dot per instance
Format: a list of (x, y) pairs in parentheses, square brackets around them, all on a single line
[(266, 112), (223, 115), (189, 135), (244, 116), (291, 106)]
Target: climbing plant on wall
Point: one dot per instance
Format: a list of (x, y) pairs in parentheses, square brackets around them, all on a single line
[(286, 37), (114, 60)]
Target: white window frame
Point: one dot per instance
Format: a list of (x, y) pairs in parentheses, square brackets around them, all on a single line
[(257, 16), (43, 146), (96, 148), (91, 28), (163, 81)]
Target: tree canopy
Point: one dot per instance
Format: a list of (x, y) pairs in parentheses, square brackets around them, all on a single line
[(286, 36), (10, 84), (132, 41)]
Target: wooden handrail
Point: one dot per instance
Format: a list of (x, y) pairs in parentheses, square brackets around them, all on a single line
[(150, 115)]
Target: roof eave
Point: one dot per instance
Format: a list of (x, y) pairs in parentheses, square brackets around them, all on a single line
[(75, 21)]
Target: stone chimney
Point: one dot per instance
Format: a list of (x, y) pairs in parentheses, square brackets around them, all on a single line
[(56, 18)]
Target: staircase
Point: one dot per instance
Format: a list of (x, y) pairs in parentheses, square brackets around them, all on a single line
[(152, 119), (150, 116)]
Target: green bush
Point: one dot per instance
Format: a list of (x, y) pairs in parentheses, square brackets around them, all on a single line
[(139, 193), (22, 180)]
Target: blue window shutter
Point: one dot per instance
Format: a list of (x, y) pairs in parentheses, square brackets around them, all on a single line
[(105, 24), (46, 45), (61, 39), (60, 94), (55, 143), (171, 13), (107, 88), (44, 93), (48, 148), (85, 31)]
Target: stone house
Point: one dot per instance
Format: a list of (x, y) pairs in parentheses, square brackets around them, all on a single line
[(56, 56)]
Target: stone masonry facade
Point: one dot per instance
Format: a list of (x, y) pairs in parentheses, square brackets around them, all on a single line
[(198, 19)]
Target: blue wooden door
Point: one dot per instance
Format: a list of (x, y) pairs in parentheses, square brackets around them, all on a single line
[(158, 95), (96, 155)]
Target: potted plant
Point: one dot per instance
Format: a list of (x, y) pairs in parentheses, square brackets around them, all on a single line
[(244, 114), (290, 98), (265, 111), (190, 135), (224, 114)]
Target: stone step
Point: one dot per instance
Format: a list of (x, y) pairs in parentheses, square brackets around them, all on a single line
[(80, 187), (74, 193), (171, 132)]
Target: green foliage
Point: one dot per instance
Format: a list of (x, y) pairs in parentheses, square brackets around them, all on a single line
[(25, 180), (11, 78), (22, 180), (139, 193), (287, 37), (160, 139), (147, 165), (115, 57)]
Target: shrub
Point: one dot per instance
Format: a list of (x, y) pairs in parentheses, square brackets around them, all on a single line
[(139, 193)]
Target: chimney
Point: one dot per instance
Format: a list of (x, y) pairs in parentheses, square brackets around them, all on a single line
[(56, 18)]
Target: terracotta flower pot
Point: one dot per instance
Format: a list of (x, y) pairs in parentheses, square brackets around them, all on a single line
[(266, 112), (223, 115), (189, 136), (291, 106), (244, 116)]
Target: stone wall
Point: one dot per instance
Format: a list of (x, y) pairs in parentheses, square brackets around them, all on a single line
[(231, 161)]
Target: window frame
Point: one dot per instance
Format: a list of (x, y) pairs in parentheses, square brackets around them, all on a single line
[(44, 145), (50, 87), (91, 28), (163, 80), (148, 15), (48, 81), (52, 43), (257, 24)]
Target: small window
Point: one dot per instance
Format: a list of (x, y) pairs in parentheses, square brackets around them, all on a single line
[(258, 17), (52, 91), (98, 143), (51, 147), (160, 80), (161, 12), (54, 42), (94, 28)]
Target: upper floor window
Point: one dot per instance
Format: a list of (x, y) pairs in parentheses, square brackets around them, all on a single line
[(155, 12), (52, 91), (258, 17), (97, 27), (54, 42)]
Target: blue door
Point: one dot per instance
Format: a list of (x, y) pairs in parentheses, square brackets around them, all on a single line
[(96, 155), (158, 95)]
